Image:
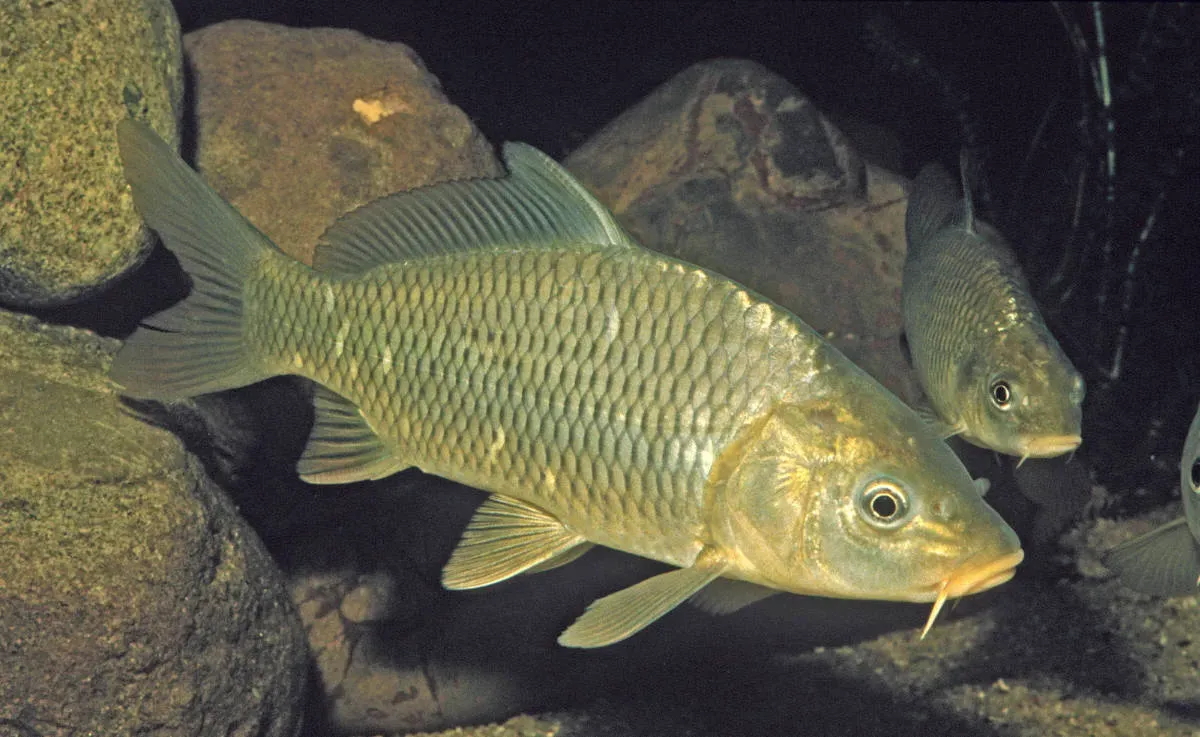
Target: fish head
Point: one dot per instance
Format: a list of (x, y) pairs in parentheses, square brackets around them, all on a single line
[(857, 499), (1023, 396), (1189, 476)]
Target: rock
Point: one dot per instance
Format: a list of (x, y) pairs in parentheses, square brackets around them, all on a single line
[(298, 126), (728, 166), (133, 598), (71, 70)]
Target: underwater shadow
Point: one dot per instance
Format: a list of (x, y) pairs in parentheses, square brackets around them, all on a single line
[(1046, 632)]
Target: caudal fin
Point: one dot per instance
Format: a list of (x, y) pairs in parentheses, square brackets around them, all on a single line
[(196, 346)]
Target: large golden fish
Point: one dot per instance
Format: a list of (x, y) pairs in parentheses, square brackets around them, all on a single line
[(508, 334)]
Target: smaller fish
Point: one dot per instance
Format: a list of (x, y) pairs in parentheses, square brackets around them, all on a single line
[(993, 372), (1166, 561)]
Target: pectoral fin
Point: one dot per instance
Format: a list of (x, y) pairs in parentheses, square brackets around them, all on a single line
[(727, 595), (941, 427), (1163, 562), (505, 537), (620, 615)]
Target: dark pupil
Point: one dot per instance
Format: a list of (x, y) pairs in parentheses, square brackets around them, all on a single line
[(1195, 475), (884, 506), (1001, 393)]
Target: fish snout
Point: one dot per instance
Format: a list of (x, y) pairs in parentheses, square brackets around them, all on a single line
[(978, 573), (1049, 446)]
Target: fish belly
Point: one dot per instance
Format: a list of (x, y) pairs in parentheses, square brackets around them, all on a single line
[(597, 384)]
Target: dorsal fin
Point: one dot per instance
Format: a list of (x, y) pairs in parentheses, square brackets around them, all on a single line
[(933, 204), (538, 203), (968, 206)]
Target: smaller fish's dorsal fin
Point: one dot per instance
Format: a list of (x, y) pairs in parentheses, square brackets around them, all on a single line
[(505, 537), (342, 447), (537, 204), (968, 206), (627, 612), (1163, 562), (728, 595), (933, 204)]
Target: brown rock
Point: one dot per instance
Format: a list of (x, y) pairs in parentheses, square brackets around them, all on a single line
[(298, 126)]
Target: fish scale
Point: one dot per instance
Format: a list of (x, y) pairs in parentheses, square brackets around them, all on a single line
[(577, 380)]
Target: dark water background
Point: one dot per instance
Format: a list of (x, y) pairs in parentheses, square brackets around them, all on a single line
[(1004, 80)]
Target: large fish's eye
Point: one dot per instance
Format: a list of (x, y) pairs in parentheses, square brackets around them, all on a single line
[(1194, 475), (883, 504), (1001, 393)]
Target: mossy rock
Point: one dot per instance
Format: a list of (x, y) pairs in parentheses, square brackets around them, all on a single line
[(124, 568), (71, 70)]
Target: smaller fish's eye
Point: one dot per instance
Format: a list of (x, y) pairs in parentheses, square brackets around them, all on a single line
[(1194, 476), (883, 504), (1001, 394), (1078, 390)]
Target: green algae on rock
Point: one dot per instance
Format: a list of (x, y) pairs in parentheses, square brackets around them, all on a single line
[(68, 73), (125, 568)]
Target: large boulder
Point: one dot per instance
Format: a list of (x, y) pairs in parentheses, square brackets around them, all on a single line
[(68, 229), (133, 597)]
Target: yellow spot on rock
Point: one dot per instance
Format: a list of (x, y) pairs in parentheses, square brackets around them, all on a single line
[(379, 105)]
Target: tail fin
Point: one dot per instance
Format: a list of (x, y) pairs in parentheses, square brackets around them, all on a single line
[(196, 346)]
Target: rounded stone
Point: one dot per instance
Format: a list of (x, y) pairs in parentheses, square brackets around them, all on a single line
[(68, 73)]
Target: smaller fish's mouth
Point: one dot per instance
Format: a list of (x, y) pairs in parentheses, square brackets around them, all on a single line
[(972, 577), (1048, 446)]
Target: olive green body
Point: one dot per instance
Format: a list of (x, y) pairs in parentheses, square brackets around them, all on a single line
[(598, 384)]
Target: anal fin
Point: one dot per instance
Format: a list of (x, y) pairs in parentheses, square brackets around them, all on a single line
[(505, 537), (1163, 562), (623, 614), (342, 447)]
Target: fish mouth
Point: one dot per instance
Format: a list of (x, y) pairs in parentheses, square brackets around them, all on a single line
[(1049, 446), (974, 575)]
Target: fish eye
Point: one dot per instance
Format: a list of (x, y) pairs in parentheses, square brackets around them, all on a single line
[(883, 504), (1001, 393), (1194, 476), (1078, 390)]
